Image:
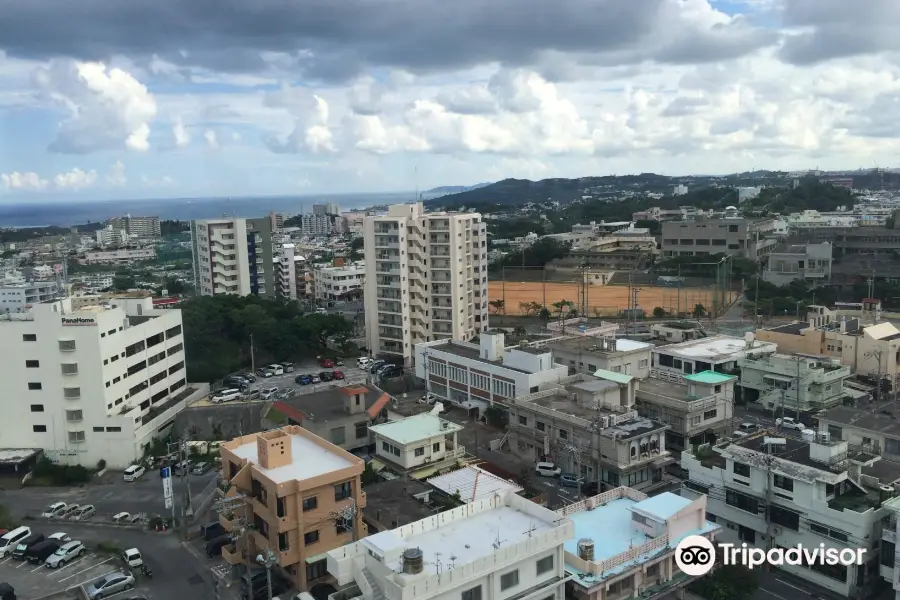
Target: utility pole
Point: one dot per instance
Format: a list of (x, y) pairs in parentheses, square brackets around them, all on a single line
[(349, 513), (268, 560), (769, 461), (252, 356), (797, 360)]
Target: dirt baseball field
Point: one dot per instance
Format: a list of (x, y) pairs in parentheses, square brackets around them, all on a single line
[(603, 301)]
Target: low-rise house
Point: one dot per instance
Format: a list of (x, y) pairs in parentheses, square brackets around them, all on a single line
[(591, 428), (497, 548), (797, 382), (395, 503), (476, 375), (699, 410), (809, 262), (472, 483), (588, 354), (675, 332), (770, 491), (624, 544), (285, 488), (874, 428), (718, 353), (340, 414), (418, 445)]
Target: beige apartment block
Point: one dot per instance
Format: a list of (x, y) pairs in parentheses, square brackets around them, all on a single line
[(295, 494)]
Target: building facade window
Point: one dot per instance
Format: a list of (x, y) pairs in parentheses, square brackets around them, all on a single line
[(508, 580), (785, 483), (32, 364), (310, 503), (342, 491), (310, 537), (472, 593), (39, 428), (545, 565), (740, 469)]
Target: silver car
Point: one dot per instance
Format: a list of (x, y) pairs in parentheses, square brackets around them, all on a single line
[(66, 553), (110, 584)]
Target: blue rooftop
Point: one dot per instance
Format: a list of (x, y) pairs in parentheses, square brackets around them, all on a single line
[(663, 506)]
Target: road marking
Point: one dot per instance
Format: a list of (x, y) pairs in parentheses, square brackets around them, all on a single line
[(74, 562), (22, 564), (39, 567), (782, 581), (88, 569), (762, 589)]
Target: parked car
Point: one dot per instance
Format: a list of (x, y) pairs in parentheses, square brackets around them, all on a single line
[(276, 369), (66, 553), (109, 584), (285, 393), (60, 536), (338, 375), (265, 373), (249, 377), (133, 472), (212, 530), (11, 539), (181, 468), (84, 513), (269, 392), (303, 379), (790, 423), (569, 480), (363, 361), (201, 468), (225, 396), (288, 367), (122, 517), (326, 376), (54, 510), (215, 545), (38, 553), (748, 426), (547, 469), (132, 558), (69, 511), (338, 362), (316, 379), (326, 363), (251, 395), (25, 543), (236, 383), (321, 311), (391, 372), (375, 365)]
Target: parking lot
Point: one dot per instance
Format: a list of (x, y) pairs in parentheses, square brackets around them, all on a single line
[(352, 374)]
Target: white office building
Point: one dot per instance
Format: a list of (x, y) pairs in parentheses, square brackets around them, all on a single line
[(473, 376), (143, 227), (717, 353), (496, 548), (122, 256), (336, 283), (20, 297), (95, 383), (428, 279), (233, 256)]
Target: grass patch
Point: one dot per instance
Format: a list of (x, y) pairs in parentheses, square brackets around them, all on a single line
[(106, 547), (276, 417)]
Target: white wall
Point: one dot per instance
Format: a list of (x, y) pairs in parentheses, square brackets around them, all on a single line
[(408, 458)]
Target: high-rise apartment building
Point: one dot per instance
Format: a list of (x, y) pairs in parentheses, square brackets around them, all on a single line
[(291, 272), (233, 256), (136, 226), (427, 278)]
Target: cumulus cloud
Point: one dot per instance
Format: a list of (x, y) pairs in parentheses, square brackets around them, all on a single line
[(211, 138), (107, 108), (73, 180), (311, 132), (26, 181)]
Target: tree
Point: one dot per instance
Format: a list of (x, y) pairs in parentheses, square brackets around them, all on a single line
[(497, 305), (123, 281), (728, 582), (544, 314), (659, 312), (563, 307), (699, 310), (531, 309)]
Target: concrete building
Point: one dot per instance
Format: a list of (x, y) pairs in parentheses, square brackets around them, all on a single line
[(95, 383), (395, 503), (807, 262), (109, 236), (793, 382), (472, 483), (799, 222), (122, 256), (718, 353), (286, 280), (890, 555), (139, 227), (342, 415), (679, 190), (293, 484), (872, 351), (315, 225), (591, 428), (338, 283), (429, 279), (783, 492), (233, 256), (624, 543), (677, 331), (874, 428), (619, 355), (475, 376), (857, 250), (416, 443), (497, 548), (697, 411), (21, 297), (276, 221), (747, 193), (738, 237)]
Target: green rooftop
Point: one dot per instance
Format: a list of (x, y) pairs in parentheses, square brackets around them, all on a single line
[(709, 377), (612, 376)]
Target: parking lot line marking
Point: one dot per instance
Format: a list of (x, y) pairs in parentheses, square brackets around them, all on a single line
[(88, 569), (22, 564), (74, 562), (37, 568)]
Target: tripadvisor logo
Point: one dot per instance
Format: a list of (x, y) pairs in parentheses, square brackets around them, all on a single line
[(695, 555)]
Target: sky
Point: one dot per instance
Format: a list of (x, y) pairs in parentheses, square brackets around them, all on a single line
[(106, 99)]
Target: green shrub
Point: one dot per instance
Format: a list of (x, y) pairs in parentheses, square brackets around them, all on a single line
[(54, 474)]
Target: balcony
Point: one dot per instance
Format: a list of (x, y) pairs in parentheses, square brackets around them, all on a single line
[(393, 333), (232, 555)]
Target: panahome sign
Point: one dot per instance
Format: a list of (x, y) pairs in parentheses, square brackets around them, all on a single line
[(78, 321)]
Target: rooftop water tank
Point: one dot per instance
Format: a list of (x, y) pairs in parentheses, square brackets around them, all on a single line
[(809, 435)]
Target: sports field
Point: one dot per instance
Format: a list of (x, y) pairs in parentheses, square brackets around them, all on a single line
[(603, 301)]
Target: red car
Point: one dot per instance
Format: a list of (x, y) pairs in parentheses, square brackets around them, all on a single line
[(327, 363), (338, 375)]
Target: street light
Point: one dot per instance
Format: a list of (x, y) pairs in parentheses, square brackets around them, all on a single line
[(268, 560)]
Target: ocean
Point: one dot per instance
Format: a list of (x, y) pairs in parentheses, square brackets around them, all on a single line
[(73, 213)]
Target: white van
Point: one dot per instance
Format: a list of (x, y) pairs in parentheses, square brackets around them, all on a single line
[(54, 511), (133, 472), (547, 469), (84, 513), (225, 396), (11, 539), (362, 362)]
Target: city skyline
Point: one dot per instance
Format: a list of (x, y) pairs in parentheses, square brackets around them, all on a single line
[(129, 102)]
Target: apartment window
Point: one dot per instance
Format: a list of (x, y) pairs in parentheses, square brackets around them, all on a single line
[(508, 580), (37, 408), (785, 483), (310, 537), (39, 428), (310, 503), (362, 429), (740, 469), (69, 368), (337, 436), (436, 447), (113, 430), (316, 570), (710, 414), (472, 594), (173, 331), (98, 430), (67, 345), (74, 416), (176, 348), (563, 434), (718, 389), (592, 368), (523, 420), (621, 586), (732, 229), (342, 491), (33, 385), (545, 565), (742, 501), (540, 426), (76, 437), (283, 542), (643, 364), (29, 337), (32, 364), (420, 451), (827, 531), (696, 487), (784, 517)]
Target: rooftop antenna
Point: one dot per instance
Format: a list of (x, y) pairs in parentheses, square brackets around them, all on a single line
[(498, 541), (531, 529)]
